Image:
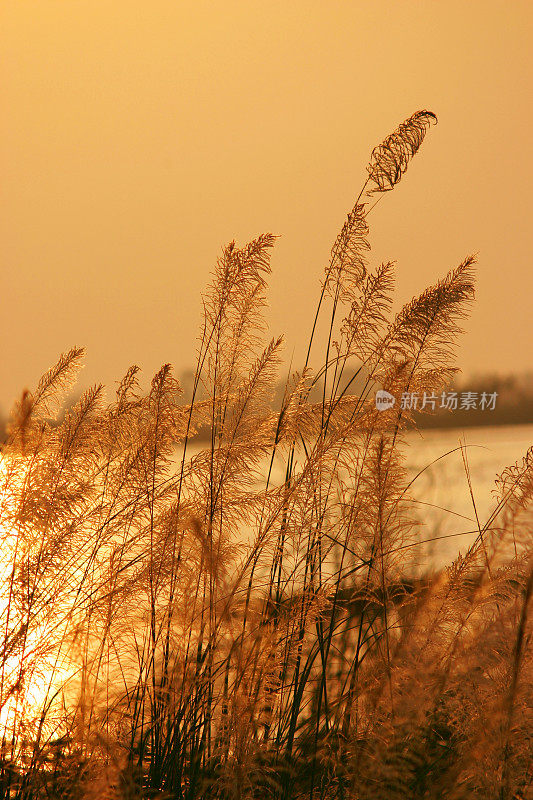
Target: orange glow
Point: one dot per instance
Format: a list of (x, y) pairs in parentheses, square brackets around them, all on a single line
[(139, 138)]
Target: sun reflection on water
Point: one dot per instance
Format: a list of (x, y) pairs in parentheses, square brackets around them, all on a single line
[(34, 668)]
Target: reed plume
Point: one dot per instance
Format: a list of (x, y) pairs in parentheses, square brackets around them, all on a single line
[(239, 615)]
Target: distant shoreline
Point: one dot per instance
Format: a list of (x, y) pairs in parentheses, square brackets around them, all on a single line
[(204, 436)]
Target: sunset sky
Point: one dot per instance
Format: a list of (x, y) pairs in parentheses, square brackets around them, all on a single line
[(137, 138)]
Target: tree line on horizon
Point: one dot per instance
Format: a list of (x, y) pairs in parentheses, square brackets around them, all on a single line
[(514, 402)]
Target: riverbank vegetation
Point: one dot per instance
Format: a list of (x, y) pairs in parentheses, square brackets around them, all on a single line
[(188, 626)]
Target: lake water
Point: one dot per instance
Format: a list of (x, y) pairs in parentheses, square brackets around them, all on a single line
[(442, 499), (442, 493)]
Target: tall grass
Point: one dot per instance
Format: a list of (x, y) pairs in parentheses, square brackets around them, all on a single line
[(178, 622)]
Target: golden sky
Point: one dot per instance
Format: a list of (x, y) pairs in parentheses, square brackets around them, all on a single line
[(137, 138)]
